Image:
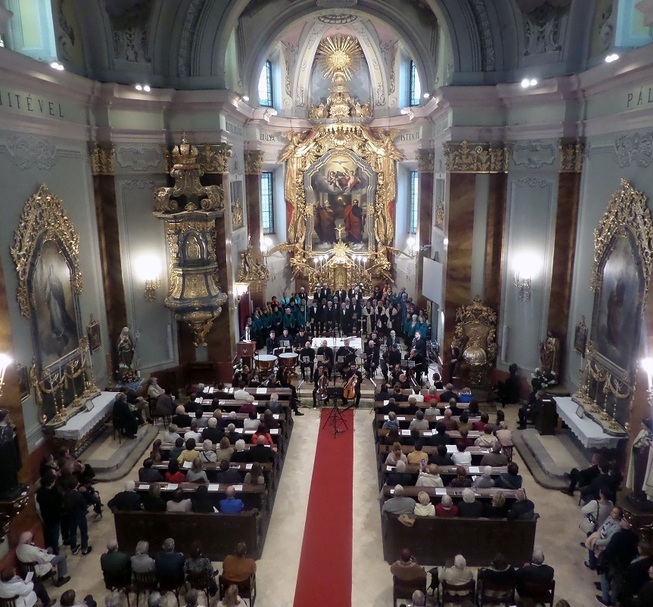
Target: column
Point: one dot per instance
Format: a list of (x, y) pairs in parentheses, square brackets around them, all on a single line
[(425, 166), (106, 210), (253, 169)]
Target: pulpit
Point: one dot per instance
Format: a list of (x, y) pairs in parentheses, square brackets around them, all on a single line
[(246, 351)]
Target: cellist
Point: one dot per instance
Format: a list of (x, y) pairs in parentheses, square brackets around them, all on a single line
[(352, 385)]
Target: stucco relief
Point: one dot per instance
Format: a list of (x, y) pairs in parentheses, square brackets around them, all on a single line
[(190, 24), (29, 151), (634, 147), (533, 154), (485, 31), (532, 182), (138, 157), (130, 25), (542, 31)]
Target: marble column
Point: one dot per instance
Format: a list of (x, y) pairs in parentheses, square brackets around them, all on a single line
[(425, 166), (106, 209), (221, 340), (253, 169)]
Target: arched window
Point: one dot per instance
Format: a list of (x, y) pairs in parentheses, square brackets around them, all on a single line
[(32, 29), (267, 203), (415, 88), (265, 94), (413, 203)]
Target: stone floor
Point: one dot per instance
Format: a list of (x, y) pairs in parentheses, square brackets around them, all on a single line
[(558, 531)]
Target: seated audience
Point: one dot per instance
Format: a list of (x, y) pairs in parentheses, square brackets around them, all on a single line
[(233, 434), (440, 437), (448, 421), (197, 564), (586, 476), (196, 473), (116, 566), (27, 552), (399, 503), (178, 503), (497, 507), (418, 455), (248, 405), (446, 508), (202, 422), (395, 455), (457, 574), (448, 394), (208, 454), (171, 435), (212, 432), (485, 481), (148, 474), (499, 571), (252, 422), (418, 422), (406, 568), (261, 452), (433, 408), (523, 509), (231, 505), (535, 571), (262, 432), (391, 423), (487, 440), (175, 452), (173, 473), (126, 500), (464, 423), (461, 457), (181, 419), (240, 455), (504, 436), (13, 586), (237, 567), (201, 500), (495, 458), (464, 438), (123, 417), (169, 565), (142, 562), (479, 426), (399, 476), (429, 476), (255, 475), (462, 479), (470, 507), (510, 479), (274, 404), (224, 450), (423, 506), (227, 475), (189, 453), (68, 600), (152, 500), (193, 433), (441, 457), (268, 420), (231, 598)]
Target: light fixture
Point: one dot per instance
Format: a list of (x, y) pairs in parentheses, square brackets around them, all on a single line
[(445, 242), (142, 87), (5, 361), (426, 95), (138, 87), (149, 269), (146, 88), (55, 65), (245, 98), (528, 83), (413, 246), (526, 266), (611, 58), (647, 365)]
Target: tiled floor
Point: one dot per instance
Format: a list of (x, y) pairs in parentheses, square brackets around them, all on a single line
[(557, 533)]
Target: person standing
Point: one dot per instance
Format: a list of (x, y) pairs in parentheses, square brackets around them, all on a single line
[(48, 498)]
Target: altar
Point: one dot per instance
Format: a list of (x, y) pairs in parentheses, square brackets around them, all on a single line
[(335, 342), (588, 432), (80, 430)]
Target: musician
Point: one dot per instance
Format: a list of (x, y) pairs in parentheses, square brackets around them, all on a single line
[(341, 294), (324, 293), (300, 340), (403, 381), (271, 342), (284, 379), (307, 360), (285, 341), (420, 364), (346, 323), (419, 343), (327, 315), (390, 359), (345, 355), (392, 339), (327, 357), (313, 316), (320, 386), (289, 320), (353, 381), (371, 358)]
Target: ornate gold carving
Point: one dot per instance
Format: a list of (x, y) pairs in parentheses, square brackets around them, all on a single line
[(572, 154), (237, 215), (439, 213), (254, 162), (102, 159), (627, 210), (339, 56), (252, 271), (425, 161), (465, 157), (214, 158), (9, 510), (187, 189), (43, 218)]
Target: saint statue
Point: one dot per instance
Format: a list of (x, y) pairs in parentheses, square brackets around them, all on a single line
[(125, 349), (550, 354), (9, 456), (640, 467)]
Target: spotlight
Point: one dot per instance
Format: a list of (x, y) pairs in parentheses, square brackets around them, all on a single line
[(426, 95), (138, 87), (146, 88), (525, 83), (611, 58), (533, 82), (55, 65), (245, 98)]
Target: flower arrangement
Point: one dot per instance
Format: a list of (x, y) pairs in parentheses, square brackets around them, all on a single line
[(541, 380)]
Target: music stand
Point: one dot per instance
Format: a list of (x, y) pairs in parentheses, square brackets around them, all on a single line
[(335, 418)]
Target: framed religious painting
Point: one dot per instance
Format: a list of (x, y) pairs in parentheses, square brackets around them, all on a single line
[(93, 334), (580, 337), (23, 381)]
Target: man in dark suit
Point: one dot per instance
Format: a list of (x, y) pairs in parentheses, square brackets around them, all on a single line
[(419, 343), (372, 361), (448, 394), (181, 419), (356, 383), (227, 475), (271, 343), (536, 572), (603, 480), (585, 476), (399, 476), (327, 357), (212, 432), (148, 474), (123, 416), (345, 354), (419, 364), (116, 566), (307, 360), (126, 500), (391, 406), (169, 565), (260, 452)]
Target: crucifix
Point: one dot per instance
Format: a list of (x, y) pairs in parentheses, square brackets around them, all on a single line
[(340, 229)]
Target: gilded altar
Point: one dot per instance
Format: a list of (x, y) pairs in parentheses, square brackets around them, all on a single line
[(340, 185)]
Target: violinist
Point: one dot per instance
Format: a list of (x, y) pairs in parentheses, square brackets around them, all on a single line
[(326, 355), (352, 385), (320, 386)]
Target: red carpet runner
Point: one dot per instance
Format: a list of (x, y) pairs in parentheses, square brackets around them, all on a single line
[(324, 577)]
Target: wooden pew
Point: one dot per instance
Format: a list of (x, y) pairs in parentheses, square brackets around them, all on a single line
[(456, 493), (217, 534), (447, 470), (433, 540)]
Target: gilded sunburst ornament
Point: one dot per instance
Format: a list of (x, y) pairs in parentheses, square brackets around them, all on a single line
[(339, 56)]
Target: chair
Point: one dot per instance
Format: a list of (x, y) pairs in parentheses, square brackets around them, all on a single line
[(144, 583), (117, 429), (403, 589), (9, 602), (24, 568), (246, 589), (457, 593), (171, 585), (200, 582), (540, 592), (495, 593), (118, 584), (507, 451)]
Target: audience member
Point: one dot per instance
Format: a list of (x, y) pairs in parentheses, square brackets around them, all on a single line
[(225, 450), (181, 419), (461, 457), (469, 507), (446, 508), (142, 562), (189, 453), (231, 505), (196, 474), (227, 475), (197, 564), (396, 455), (429, 476), (523, 509), (13, 586), (125, 500), (399, 503), (148, 474), (535, 571), (495, 458), (261, 452), (423, 506), (178, 503), (238, 567), (510, 479), (614, 560), (405, 568), (50, 504), (169, 565), (152, 500), (27, 552), (418, 422), (441, 457), (116, 566), (487, 440), (457, 574), (497, 507), (201, 500), (485, 481), (240, 455), (399, 476), (418, 455), (207, 454), (231, 598), (462, 479)]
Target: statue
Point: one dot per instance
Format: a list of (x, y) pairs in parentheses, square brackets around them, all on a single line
[(9, 456), (640, 467), (125, 351), (550, 355)]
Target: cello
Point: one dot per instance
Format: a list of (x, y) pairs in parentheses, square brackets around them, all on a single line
[(349, 391)]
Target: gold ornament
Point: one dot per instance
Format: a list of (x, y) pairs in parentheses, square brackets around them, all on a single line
[(339, 56), (572, 154), (254, 162), (102, 159), (465, 157)]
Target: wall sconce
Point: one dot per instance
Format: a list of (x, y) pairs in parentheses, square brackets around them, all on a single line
[(240, 288), (526, 266), (5, 361), (149, 268)]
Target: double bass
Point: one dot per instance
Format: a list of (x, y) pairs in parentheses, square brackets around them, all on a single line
[(322, 388), (349, 391)]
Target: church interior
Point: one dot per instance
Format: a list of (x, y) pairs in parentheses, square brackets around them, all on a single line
[(181, 178)]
